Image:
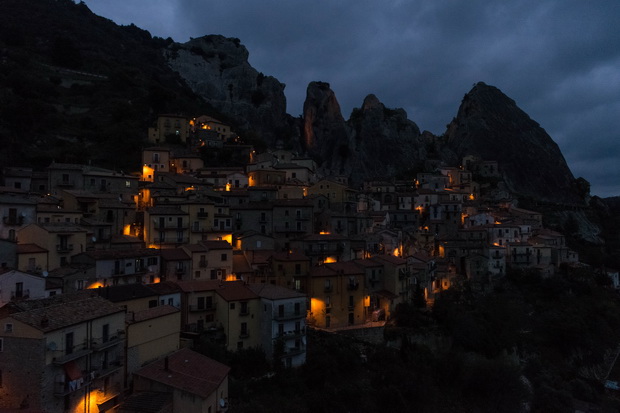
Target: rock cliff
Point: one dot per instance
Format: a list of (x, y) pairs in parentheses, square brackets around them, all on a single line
[(217, 69), (376, 142), (489, 124)]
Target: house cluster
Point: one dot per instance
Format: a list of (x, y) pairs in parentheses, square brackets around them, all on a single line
[(108, 278)]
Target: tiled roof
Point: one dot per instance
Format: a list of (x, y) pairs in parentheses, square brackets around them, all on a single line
[(198, 285), (391, 259), (174, 254), (216, 245), (62, 314), (150, 313), (29, 249), (147, 402), (121, 253), (187, 371), (235, 291), (165, 287), (241, 264), (345, 267), (119, 293), (289, 256), (274, 292)]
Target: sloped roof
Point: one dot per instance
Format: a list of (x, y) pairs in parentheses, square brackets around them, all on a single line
[(187, 371), (235, 291), (274, 292), (60, 313)]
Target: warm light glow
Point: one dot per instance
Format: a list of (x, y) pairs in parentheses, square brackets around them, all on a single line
[(305, 191), (127, 230), (329, 260), (190, 188), (471, 197), (96, 284), (367, 301), (396, 252), (148, 173), (231, 277), (156, 246), (442, 251), (316, 305), (324, 232), (227, 238), (88, 403), (228, 187)]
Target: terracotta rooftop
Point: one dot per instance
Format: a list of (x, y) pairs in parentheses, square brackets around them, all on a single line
[(174, 254), (121, 253), (148, 314), (198, 285), (391, 259), (29, 249), (274, 292), (187, 371), (60, 314), (235, 291)]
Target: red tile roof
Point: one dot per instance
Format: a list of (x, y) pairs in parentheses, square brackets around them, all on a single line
[(236, 291)]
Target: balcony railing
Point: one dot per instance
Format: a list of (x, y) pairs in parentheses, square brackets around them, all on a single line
[(84, 351), (288, 315), (102, 343), (18, 220), (64, 248), (196, 307), (203, 215)]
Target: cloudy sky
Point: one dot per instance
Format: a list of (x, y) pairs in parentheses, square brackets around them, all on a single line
[(559, 60)]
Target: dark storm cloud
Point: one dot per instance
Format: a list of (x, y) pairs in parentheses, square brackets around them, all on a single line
[(558, 60)]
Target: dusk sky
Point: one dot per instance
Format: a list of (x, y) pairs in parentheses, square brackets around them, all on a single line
[(559, 60)]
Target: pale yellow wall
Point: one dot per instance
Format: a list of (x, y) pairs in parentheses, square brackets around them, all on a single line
[(154, 338)]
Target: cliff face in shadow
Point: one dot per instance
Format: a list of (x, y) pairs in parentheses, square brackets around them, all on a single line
[(490, 125)]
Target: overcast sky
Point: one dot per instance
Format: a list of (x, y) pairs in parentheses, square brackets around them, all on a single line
[(559, 60)]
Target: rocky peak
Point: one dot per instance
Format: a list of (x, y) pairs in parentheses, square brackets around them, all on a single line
[(489, 124), (217, 69), (371, 102), (324, 128)]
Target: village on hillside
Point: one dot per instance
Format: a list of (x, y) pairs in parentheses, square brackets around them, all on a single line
[(110, 278)]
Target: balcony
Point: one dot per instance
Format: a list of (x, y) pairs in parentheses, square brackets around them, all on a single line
[(301, 229), (13, 220), (102, 343), (64, 388), (288, 315), (293, 334), (60, 360), (196, 308), (64, 248), (68, 183), (203, 215), (294, 351), (108, 369)]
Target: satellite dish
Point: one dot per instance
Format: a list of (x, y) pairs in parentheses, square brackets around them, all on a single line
[(52, 346), (45, 273)]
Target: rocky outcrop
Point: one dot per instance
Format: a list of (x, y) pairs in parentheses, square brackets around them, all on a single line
[(325, 133), (489, 124), (376, 142), (217, 69)]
